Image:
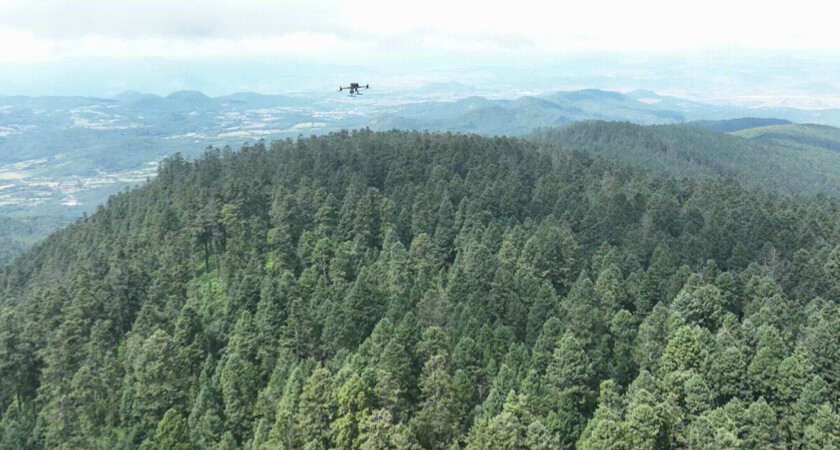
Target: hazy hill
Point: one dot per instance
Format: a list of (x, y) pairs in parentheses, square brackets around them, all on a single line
[(131, 96), (786, 158), (608, 105), (695, 110), (473, 115), (522, 115), (803, 136), (730, 125)]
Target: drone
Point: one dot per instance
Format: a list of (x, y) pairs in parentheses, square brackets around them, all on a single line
[(354, 88)]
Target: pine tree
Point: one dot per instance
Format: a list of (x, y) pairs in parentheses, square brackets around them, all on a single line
[(435, 421), (355, 399), (568, 381), (205, 420), (623, 332), (551, 253), (761, 428), (604, 430), (239, 378), (316, 409), (824, 431), (157, 381), (171, 433)]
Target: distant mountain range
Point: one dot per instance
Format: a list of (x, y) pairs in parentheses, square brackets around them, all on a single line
[(475, 114), (520, 116)]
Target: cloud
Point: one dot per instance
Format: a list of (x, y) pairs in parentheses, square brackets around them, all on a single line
[(168, 19), (30, 49), (55, 29), (23, 46)]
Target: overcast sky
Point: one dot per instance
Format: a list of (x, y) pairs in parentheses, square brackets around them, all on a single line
[(48, 29), (37, 33)]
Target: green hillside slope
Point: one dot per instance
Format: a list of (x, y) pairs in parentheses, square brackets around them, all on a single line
[(731, 125), (763, 160), (438, 291), (803, 136)]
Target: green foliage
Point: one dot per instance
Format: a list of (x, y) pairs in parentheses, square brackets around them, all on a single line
[(791, 158), (171, 433), (415, 290), (17, 235)]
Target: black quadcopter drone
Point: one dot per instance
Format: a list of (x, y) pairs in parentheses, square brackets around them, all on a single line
[(354, 88)]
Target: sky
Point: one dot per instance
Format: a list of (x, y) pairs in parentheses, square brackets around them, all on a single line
[(711, 48)]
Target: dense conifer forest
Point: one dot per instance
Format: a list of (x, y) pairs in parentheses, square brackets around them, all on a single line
[(436, 291)]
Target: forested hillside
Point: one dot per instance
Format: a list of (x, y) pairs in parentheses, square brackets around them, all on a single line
[(803, 136), (732, 125), (791, 159), (439, 291)]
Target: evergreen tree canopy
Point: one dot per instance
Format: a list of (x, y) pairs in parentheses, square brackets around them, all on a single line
[(416, 290)]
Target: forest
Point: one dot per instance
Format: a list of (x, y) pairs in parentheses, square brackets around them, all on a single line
[(787, 158), (18, 234), (378, 290)]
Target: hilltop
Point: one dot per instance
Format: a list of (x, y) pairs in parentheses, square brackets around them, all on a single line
[(420, 290)]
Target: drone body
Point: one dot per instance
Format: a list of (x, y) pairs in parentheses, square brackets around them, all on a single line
[(354, 88)]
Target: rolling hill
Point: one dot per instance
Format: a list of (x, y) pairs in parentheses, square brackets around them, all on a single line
[(802, 136), (522, 115), (792, 159), (731, 125)]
